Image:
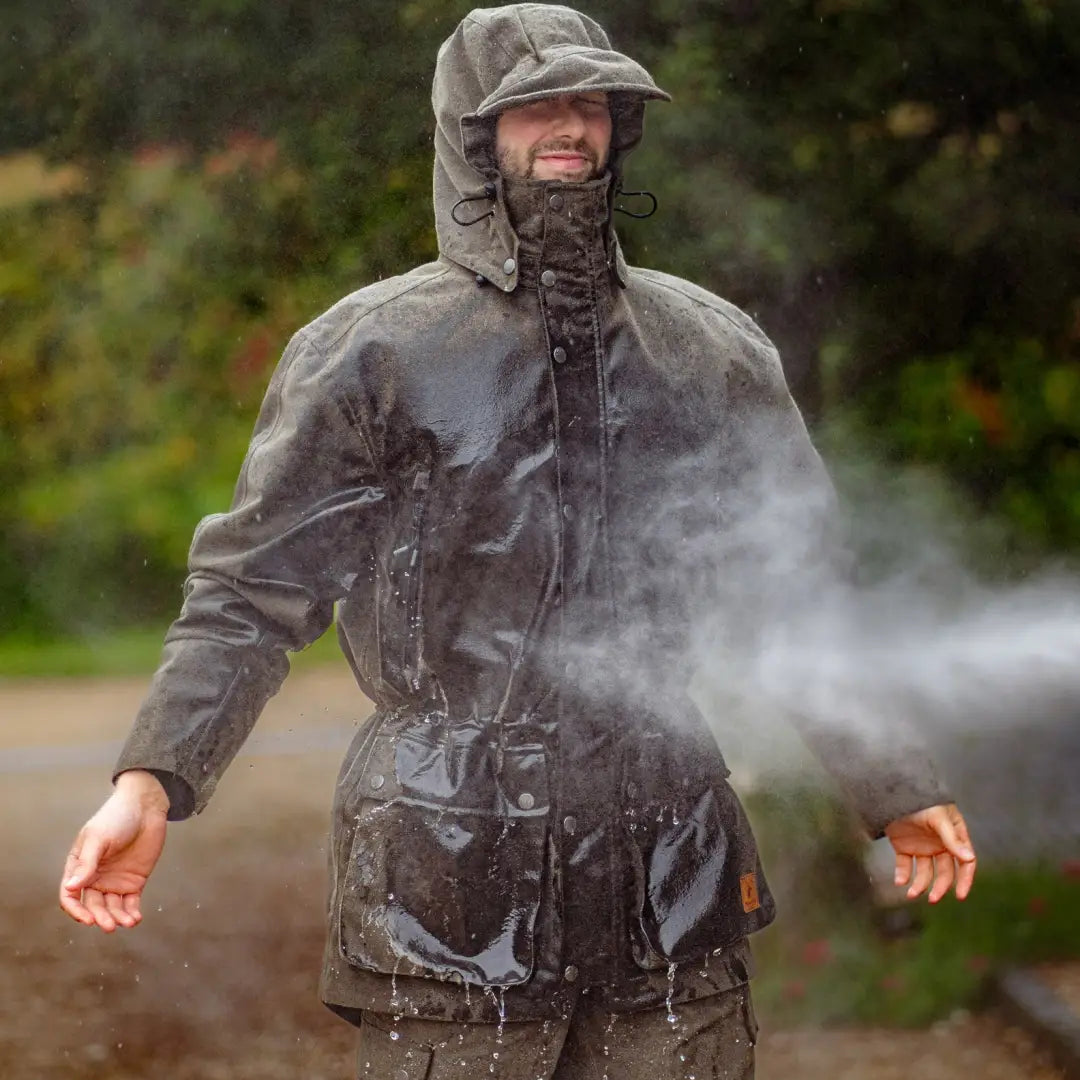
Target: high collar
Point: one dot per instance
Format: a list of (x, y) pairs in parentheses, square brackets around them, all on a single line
[(559, 226)]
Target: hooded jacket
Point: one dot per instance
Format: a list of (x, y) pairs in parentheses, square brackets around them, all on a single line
[(521, 475)]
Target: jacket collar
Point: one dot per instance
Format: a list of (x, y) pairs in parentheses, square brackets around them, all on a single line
[(563, 227)]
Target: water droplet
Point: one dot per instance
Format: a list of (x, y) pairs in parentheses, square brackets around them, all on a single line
[(671, 1017)]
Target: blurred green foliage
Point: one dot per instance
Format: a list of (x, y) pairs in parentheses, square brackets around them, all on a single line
[(841, 954), (888, 187)]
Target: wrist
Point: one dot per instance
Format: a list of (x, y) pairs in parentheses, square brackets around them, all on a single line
[(144, 787)]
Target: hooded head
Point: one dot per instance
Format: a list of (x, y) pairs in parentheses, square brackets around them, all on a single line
[(499, 58)]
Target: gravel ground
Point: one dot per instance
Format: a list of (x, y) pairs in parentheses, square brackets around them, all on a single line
[(219, 983), (979, 1046), (1064, 980)]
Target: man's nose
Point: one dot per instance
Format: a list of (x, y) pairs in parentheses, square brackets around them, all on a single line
[(569, 122)]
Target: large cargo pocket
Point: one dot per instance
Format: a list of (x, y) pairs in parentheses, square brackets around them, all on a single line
[(698, 883), (446, 864)]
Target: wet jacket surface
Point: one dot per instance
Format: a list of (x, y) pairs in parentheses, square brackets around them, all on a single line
[(503, 469)]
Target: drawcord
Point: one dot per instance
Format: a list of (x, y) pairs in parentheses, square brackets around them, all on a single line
[(489, 193), (636, 194)]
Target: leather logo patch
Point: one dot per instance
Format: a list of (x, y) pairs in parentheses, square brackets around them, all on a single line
[(748, 888)]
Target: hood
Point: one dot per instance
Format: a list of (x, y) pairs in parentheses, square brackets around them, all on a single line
[(502, 57)]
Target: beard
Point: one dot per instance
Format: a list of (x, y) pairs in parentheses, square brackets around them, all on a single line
[(510, 166)]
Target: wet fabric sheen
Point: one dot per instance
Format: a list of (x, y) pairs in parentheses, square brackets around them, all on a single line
[(518, 476), (711, 1039)]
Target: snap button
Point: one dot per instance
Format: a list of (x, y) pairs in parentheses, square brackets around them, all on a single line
[(556, 201), (377, 781), (509, 266), (526, 801), (547, 278), (558, 354), (571, 973), (569, 824), (568, 512)]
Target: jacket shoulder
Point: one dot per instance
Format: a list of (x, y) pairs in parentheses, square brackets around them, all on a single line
[(379, 304), (694, 301), (730, 338)]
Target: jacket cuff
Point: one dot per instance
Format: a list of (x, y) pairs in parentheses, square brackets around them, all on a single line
[(880, 800), (179, 792)]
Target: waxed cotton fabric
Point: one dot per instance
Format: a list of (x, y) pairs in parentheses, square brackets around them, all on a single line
[(523, 496), (710, 1039)]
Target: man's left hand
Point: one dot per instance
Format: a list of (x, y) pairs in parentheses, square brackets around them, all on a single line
[(933, 845)]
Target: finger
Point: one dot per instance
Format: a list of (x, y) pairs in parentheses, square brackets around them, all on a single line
[(71, 894), (131, 906), (72, 904), (904, 866), (95, 904), (944, 876), (114, 903), (924, 873), (86, 860), (965, 878), (71, 863), (950, 837)]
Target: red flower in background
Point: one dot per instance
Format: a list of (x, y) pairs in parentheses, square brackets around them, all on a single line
[(816, 953), (151, 155), (244, 149), (251, 357)]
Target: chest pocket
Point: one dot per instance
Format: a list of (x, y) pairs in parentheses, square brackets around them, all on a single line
[(446, 865)]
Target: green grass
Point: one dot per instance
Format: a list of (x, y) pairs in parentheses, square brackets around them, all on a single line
[(124, 652)]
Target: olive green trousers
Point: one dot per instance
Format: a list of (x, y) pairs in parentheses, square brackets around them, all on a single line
[(708, 1039)]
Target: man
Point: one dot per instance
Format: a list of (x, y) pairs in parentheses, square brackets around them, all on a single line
[(516, 472)]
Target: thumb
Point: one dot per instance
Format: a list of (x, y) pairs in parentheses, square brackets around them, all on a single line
[(85, 863), (949, 837)]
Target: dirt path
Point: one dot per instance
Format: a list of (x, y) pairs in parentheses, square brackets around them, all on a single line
[(219, 981)]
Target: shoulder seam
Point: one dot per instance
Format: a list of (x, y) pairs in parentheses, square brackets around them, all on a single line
[(321, 350), (718, 309)]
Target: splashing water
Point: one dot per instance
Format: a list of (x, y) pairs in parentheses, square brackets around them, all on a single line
[(671, 1017), (500, 1002), (395, 1002), (608, 1031)]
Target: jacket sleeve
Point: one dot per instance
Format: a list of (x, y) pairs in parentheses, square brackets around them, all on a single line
[(263, 578), (805, 600)]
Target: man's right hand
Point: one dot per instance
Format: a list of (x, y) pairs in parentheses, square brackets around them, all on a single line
[(114, 854)]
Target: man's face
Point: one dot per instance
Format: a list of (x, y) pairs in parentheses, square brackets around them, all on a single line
[(557, 138)]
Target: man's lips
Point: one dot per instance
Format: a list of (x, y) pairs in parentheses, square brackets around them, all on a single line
[(566, 158)]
